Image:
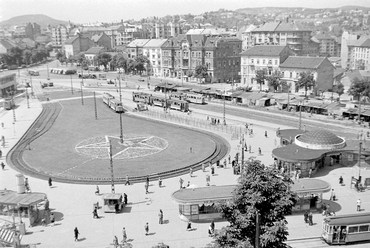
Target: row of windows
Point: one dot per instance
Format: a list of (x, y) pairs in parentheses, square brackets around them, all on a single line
[(355, 229)]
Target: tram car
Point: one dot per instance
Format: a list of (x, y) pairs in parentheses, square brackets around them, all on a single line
[(8, 104), (158, 101), (141, 97), (344, 229), (178, 96), (113, 103), (179, 105), (195, 98)]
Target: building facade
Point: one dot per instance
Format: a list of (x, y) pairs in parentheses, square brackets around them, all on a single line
[(152, 50), (8, 83), (285, 34), (320, 67), (359, 52), (136, 47), (328, 45), (92, 53), (262, 57), (77, 44), (59, 35)]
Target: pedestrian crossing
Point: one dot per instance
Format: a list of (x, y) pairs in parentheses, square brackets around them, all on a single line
[(7, 236)]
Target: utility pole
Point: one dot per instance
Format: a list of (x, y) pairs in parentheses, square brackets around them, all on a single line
[(300, 115), (257, 245), (82, 95), (111, 167), (71, 85), (359, 162), (242, 162), (28, 101), (224, 107), (121, 127), (96, 111), (359, 108)]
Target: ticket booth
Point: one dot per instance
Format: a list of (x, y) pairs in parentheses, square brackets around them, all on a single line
[(112, 203)]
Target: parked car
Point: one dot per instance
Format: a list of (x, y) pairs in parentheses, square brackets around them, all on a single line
[(141, 79), (51, 84)]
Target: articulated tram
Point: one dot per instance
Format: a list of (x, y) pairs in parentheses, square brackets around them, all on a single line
[(160, 101), (113, 103), (189, 97), (343, 229)]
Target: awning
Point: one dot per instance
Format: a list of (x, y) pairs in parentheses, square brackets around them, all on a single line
[(8, 197)]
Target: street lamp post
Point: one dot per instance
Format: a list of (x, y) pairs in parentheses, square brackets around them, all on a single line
[(47, 70), (27, 97), (300, 115), (119, 71), (82, 95), (71, 85), (111, 167), (224, 107), (359, 108), (121, 127)]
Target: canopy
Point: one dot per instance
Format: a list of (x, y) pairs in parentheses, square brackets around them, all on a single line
[(348, 219), (8, 197), (112, 196)]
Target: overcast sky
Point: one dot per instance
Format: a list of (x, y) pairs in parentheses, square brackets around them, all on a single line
[(81, 11)]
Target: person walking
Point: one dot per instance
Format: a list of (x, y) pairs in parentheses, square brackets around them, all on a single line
[(159, 182), (115, 242), (208, 180), (146, 228), (225, 163), (229, 159), (188, 226), (305, 217), (147, 180), (203, 167), (160, 215), (358, 203), (97, 191), (310, 221), (127, 180), (125, 198), (332, 195), (146, 188), (191, 172), (76, 232), (259, 151), (95, 213), (181, 182), (50, 181), (266, 134), (52, 219), (2, 165), (124, 235)]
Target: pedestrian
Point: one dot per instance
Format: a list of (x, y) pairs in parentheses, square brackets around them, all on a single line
[(46, 205), (332, 195), (188, 226), (127, 180), (124, 235), (1, 153), (266, 134), (250, 148), (212, 225), (146, 188), (52, 219), (358, 203), (125, 198), (305, 215), (160, 215), (259, 151), (191, 172), (310, 218), (95, 213), (76, 233), (310, 173), (2, 165), (340, 180), (181, 182), (147, 180), (159, 182), (212, 170), (115, 241), (147, 228), (208, 180), (187, 186), (229, 159), (50, 182), (203, 167), (191, 149), (97, 191), (225, 163)]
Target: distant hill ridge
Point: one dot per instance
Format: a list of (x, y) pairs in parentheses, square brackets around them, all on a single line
[(42, 20)]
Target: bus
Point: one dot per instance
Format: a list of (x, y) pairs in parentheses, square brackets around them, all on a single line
[(33, 73), (344, 229)]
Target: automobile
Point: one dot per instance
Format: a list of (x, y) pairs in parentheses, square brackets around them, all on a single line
[(43, 85), (141, 79), (110, 81), (93, 76), (51, 84)]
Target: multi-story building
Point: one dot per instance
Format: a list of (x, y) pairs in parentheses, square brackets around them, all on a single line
[(320, 67), (6, 45), (136, 47), (262, 57), (283, 33), (359, 54), (165, 31), (32, 30), (245, 34), (92, 53), (59, 35), (102, 40), (182, 54), (8, 83), (328, 45), (347, 39), (152, 50), (77, 44)]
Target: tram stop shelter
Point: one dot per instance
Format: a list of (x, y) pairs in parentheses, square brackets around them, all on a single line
[(21, 204), (309, 191), (112, 202), (197, 204)]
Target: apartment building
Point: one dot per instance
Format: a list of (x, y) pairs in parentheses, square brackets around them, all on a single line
[(77, 44), (264, 57), (165, 31), (328, 45), (152, 50), (136, 47), (358, 54), (59, 35)]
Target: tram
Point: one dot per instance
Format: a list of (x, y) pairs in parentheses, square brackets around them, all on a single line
[(178, 105), (113, 103), (195, 98), (343, 229), (158, 101), (141, 97), (8, 104), (178, 96)]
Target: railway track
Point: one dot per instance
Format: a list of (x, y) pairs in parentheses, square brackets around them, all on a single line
[(45, 121)]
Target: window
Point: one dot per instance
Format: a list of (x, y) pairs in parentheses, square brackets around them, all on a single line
[(352, 229), (258, 61), (364, 228), (290, 74), (263, 62), (252, 61), (276, 61)]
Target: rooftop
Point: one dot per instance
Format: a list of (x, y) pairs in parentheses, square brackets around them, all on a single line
[(264, 51), (321, 137), (302, 62)]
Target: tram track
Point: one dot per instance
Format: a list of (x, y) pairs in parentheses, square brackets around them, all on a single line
[(49, 114)]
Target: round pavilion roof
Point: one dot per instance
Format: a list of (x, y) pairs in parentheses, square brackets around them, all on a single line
[(320, 137)]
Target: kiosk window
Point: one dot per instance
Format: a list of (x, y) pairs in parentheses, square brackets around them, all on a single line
[(186, 210), (364, 228), (352, 229)]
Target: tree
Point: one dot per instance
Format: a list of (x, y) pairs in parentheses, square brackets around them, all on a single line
[(141, 63), (359, 87), (260, 77), (104, 59), (16, 53), (339, 89), (26, 54), (119, 61), (306, 81), (201, 71), (274, 79), (261, 191)]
